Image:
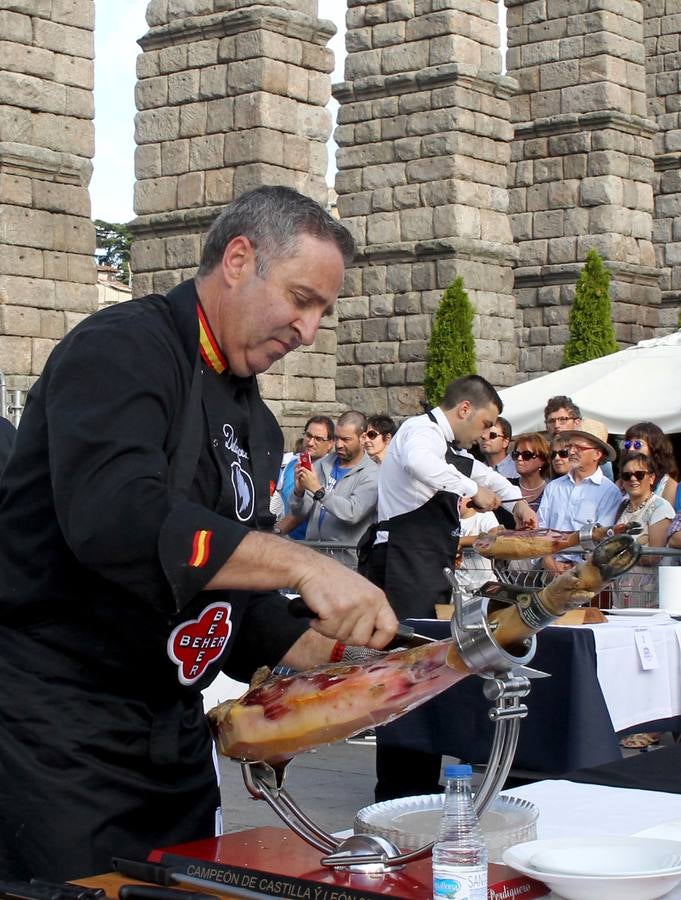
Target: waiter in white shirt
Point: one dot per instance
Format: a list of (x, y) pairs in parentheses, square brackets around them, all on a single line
[(422, 477)]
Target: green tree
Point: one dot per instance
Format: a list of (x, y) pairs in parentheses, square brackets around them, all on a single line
[(113, 247), (592, 333), (451, 349)]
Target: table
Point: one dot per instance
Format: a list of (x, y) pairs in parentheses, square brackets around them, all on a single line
[(597, 688), (567, 809)]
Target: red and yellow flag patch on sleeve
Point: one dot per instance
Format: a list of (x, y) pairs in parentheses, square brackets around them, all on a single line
[(200, 549)]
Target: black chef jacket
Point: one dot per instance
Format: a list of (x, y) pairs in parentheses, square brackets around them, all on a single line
[(106, 634)]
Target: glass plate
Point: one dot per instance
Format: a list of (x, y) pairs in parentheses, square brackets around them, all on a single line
[(411, 822)]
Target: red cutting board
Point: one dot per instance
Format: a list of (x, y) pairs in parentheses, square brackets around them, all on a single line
[(276, 862)]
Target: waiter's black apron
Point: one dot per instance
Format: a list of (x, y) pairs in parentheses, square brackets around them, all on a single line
[(409, 569), (420, 544)]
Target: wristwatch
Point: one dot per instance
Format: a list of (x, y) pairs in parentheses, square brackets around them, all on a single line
[(319, 495)]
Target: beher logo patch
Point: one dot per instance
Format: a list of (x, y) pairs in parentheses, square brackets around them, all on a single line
[(195, 644)]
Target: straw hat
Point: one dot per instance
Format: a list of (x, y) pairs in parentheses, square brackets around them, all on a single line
[(596, 432)]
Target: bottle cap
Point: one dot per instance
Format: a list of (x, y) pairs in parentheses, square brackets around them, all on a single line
[(460, 771)]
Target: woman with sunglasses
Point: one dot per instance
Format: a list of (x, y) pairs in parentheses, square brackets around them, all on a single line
[(560, 463), (655, 515), (531, 457), (378, 435), (648, 438), (638, 587)]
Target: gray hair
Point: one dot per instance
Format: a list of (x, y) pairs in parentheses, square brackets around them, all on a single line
[(273, 219)]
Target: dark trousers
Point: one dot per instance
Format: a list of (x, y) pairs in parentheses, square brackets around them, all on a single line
[(405, 773)]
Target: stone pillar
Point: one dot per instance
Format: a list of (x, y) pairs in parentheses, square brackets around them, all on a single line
[(47, 240), (231, 95), (424, 140), (582, 167), (663, 67)]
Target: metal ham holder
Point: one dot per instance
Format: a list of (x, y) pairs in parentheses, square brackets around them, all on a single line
[(507, 682)]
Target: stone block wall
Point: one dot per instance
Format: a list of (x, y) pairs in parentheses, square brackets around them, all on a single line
[(47, 239), (231, 95), (582, 171), (662, 28), (424, 145)]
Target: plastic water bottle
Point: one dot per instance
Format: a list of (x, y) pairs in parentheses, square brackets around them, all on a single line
[(459, 853)]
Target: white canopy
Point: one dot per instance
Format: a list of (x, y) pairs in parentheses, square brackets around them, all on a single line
[(639, 384)]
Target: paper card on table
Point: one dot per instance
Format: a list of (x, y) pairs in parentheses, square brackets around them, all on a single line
[(646, 649)]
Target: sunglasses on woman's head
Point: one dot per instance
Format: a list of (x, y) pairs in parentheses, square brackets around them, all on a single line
[(638, 474), (562, 453), (635, 444), (527, 455), (372, 435)]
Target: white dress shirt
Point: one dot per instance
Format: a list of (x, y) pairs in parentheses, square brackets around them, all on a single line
[(414, 470)]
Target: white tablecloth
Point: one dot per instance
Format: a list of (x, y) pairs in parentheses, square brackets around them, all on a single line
[(632, 694)]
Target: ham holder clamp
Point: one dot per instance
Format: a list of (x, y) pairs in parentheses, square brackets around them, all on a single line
[(493, 636)]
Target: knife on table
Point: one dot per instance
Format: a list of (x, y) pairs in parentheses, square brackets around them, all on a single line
[(167, 877)]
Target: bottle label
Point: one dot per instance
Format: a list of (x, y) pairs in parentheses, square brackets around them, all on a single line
[(460, 884), (533, 612)]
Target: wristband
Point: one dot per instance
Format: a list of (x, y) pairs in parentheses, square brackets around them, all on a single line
[(337, 652)]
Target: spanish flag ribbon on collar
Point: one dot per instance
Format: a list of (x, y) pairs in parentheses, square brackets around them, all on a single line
[(211, 353)]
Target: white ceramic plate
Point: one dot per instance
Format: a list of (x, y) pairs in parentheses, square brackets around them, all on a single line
[(608, 868), (411, 822)]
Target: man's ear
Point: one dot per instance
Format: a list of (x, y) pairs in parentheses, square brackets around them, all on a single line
[(463, 409), (239, 255)]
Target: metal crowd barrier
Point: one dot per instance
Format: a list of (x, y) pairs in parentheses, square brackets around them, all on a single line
[(343, 553), (637, 588)]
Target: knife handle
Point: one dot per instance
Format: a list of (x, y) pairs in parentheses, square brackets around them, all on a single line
[(143, 871), (405, 635)]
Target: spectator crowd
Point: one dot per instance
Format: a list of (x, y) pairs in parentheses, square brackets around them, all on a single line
[(565, 474)]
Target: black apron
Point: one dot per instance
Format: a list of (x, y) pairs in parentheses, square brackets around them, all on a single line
[(420, 544), (409, 569)]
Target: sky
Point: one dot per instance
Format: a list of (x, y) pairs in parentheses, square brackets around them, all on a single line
[(118, 26)]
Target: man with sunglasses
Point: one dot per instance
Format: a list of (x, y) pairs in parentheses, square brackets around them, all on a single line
[(494, 443), (584, 495)]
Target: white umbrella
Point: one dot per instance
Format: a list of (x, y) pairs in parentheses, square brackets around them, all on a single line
[(641, 383)]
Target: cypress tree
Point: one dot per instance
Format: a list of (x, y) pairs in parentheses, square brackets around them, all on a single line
[(451, 349), (592, 333)]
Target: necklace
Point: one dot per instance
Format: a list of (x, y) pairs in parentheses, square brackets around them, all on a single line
[(634, 509)]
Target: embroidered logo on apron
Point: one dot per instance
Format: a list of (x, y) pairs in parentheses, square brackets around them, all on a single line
[(195, 644), (242, 483)]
